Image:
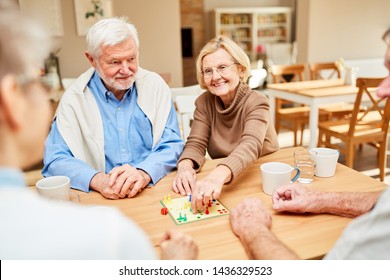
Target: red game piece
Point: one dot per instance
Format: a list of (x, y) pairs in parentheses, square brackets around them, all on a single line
[(207, 211), (209, 205), (164, 211)]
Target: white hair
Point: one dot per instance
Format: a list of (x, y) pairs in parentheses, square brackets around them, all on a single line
[(110, 31), (24, 44)]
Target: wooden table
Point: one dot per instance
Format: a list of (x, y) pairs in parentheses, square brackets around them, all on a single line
[(312, 93), (310, 236)]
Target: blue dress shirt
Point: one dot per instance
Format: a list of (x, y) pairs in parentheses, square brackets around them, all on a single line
[(128, 139)]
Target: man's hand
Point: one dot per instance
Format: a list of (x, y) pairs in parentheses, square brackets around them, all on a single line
[(175, 245), (249, 218), (100, 183), (296, 198), (126, 180)]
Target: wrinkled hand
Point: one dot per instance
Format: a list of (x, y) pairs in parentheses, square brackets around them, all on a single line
[(127, 180), (100, 183), (249, 217), (175, 245), (205, 190), (185, 178), (295, 198)]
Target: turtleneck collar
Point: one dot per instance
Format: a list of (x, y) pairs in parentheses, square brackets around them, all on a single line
[(242, 90)]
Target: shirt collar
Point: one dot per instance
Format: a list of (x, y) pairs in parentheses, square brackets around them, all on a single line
[(11, 177)]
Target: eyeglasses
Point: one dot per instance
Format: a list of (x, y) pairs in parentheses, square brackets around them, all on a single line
[(386, 37), (221, 70)]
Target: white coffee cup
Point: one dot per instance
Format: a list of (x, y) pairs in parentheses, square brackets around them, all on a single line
[(54, 187), (326, 161), (276, 174)]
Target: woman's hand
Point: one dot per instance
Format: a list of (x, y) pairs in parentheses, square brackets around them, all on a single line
[(185, 178), (209, 188)]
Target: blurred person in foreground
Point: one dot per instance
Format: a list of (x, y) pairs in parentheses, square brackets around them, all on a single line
[(33, 227), (115, 129), (231, 121), (366, 237)]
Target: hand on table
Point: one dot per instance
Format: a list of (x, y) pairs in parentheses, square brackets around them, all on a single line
[(185, 178), (122, 181), (209, 187), (249, 217), (127, 180), (295, 198), (175, 245)]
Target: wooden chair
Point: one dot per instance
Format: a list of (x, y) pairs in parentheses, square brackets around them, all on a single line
[(369, 127), (184, 101), (324, 71), (327, 71), (286, 111)]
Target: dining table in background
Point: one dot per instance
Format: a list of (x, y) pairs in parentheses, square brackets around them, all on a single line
[(312, 93), (310, 236)]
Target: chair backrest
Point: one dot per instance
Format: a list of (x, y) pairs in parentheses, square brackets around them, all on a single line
[(184, 100), (324, 71), (185, 105), (256, 78), (377, 113), (281, 53), (287, 73), (186, 91)]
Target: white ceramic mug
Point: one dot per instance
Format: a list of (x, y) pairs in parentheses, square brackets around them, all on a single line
[(54, 187), (326, 161), (276, 174)]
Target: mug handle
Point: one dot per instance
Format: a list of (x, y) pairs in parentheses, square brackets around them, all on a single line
[(296, 175)]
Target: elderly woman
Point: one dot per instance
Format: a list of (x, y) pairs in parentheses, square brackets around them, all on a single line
[(231, 121)]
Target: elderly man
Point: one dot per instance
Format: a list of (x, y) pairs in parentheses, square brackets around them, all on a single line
[(33, 227), (115, 130), (367, 237)]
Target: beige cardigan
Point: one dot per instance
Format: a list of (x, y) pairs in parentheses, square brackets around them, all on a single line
[(79, 120)]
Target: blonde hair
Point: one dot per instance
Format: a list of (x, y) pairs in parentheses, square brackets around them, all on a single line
[(238, 55)]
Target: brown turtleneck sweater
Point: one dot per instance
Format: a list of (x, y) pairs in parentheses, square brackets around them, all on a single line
[(242, 133)]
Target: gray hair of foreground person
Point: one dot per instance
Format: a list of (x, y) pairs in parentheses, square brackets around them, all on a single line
[(110, 31), (24, 44)]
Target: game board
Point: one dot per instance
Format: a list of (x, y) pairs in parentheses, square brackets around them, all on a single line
[(179, 209)]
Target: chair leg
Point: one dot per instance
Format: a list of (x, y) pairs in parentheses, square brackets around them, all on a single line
[(295, 128), (349, 154), (302, 130), (382, 161)]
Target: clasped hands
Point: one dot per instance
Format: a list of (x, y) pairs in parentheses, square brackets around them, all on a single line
[(121, 181)]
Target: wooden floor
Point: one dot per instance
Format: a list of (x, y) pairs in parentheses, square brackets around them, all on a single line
[(365, 160)]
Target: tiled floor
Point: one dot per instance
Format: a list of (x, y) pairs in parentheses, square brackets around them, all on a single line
[(365, 159)]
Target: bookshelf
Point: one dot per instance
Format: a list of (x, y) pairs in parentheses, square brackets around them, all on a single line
[(254, 28)]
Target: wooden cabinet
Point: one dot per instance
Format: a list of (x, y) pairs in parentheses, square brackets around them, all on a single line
[(254, 28)]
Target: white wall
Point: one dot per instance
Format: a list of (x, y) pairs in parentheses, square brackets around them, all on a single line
[(158, 24), (328, 30)]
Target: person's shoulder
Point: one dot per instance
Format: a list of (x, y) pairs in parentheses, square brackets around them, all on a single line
[(256, 98)]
